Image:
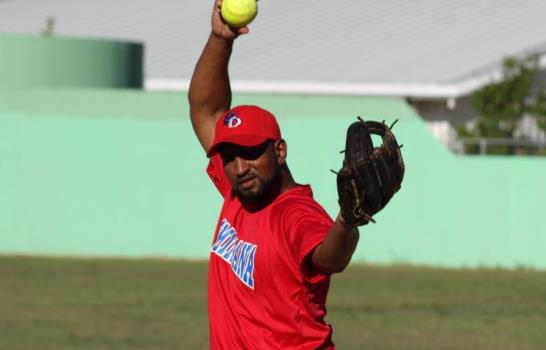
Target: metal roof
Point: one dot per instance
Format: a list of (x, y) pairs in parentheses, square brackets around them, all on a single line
[(426, 47)]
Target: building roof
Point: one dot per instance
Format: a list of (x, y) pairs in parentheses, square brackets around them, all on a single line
[(388, 47)]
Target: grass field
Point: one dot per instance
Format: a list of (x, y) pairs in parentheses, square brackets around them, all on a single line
[(54, 303)]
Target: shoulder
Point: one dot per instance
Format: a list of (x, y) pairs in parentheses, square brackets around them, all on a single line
[(296, 205), (299, 196)]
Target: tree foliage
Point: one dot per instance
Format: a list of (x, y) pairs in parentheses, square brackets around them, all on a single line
[(501, 105)]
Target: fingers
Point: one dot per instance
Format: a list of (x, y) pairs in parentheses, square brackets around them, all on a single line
[(217, 9), (243, 30), (221, 28)]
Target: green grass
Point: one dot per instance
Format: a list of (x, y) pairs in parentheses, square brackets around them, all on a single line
[(61, 303)]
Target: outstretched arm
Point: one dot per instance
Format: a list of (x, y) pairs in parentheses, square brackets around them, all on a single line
[(335, 252), (210, 91)]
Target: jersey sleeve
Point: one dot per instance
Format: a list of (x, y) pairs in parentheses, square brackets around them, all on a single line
[(216, 174), (305, 225)]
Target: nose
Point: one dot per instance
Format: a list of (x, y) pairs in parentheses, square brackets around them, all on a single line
[(241, 166)]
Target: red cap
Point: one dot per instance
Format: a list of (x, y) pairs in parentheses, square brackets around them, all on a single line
[(245, 126)]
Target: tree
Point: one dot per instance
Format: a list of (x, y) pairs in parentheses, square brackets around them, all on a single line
[(501, 105)]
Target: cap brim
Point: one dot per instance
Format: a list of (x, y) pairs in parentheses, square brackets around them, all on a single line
[(241, 140)]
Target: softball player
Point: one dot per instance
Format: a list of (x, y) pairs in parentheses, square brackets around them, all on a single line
[(274, 247)]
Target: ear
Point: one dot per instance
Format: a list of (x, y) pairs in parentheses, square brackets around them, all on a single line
[(281, 150)]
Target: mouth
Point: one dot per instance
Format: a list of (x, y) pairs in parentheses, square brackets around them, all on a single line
[(246, 182)]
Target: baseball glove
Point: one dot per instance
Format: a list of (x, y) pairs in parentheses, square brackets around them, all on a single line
[(370, 175)]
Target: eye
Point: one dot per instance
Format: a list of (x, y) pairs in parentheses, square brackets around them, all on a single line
[(252, 153), (229, 152), (227, 157)]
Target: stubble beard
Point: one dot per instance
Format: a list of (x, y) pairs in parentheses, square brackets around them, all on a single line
[(266, 192)]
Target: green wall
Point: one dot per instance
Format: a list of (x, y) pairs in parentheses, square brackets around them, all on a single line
[(31, 61), (105, 172)]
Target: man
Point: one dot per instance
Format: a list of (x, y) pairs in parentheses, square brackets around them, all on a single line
[(274, 248)]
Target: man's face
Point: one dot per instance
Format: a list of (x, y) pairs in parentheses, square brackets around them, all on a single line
[(252, 171)]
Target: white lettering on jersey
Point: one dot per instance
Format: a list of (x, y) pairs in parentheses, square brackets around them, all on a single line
[(239, 254)]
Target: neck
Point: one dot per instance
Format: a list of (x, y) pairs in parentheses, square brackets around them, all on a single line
[(287, 180)]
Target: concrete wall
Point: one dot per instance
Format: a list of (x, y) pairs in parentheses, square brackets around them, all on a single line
[(104, 172)]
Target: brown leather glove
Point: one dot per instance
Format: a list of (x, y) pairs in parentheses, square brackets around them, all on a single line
[(370, 176)]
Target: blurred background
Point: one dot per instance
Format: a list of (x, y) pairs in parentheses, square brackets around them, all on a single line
[(98, 158)]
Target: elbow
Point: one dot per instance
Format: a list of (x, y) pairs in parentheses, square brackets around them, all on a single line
[(341, 267), (334, 267)]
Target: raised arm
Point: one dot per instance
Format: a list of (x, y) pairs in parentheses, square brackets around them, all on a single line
[(368, 179), (210, 91)]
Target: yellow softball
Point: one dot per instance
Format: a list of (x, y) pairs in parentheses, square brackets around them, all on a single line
[(238, 13)]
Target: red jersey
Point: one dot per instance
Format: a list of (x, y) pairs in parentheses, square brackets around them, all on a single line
[(260, 293)]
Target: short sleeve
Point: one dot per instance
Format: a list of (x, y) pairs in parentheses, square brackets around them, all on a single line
[(305, 225), (216, 174)]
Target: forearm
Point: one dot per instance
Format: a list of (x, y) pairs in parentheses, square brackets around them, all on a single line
[(209, 87), (335, 252), (210, 90)]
